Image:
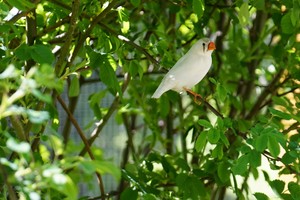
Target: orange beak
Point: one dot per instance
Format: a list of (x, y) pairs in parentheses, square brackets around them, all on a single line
[(211, 46)]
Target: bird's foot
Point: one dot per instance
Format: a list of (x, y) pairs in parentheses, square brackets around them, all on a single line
[(197, 97)]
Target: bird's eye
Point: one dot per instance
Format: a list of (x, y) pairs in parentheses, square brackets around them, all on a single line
[(203, 44)]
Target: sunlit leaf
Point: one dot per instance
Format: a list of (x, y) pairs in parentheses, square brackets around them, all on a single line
[(74, 88), (19, 147), (244, 14), (294, 189), (37, 116)]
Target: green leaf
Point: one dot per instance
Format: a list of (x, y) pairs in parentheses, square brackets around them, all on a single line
[(164, 106), (9, 72), (67, 187), (241, 165), (295, 13), (74, 86), (221, 92), (41, 96), (294, 189), (107, 73), (259, 4), (286, 24), (260, 196), (149, 197), (23, 52), (255, 158), (278, 185), (129, 193), (21, 4), (198, 7), (91, 166), (213, 136), (41, 54), (280, 114), (201, 141), (244, 14), (224, 139), (287, 158), (224, 172), (261, 142), (218, 152), (190, 186), (37, 117), (135, 3), (22, 147), (273, 146), (204, 123)]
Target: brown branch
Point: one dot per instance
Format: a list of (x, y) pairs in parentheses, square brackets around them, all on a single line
[(69, 37), (18, 127), (104, 120), (198, 100), (31, 28), (10, 190), (83, 138)]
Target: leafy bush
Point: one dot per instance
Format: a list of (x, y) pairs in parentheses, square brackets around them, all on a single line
[(177, 147)]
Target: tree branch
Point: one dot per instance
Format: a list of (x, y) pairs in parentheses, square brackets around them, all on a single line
[(69, 37), (83, 138), (104, 120)]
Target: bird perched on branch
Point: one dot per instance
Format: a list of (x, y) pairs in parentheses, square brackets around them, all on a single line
[(189, 70)]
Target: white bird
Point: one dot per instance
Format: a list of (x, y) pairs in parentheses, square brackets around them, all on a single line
[(189, 69)]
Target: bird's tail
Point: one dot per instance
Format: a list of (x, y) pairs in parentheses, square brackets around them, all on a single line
[(158, 92)]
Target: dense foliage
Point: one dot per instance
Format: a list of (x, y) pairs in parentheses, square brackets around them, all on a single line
[(177, 147)]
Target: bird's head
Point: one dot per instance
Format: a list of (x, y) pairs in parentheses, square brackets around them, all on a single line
[(204, 46)]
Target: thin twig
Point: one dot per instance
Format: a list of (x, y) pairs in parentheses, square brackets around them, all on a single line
[(104, 120), (83, 138), (198, 99), (69, 37)]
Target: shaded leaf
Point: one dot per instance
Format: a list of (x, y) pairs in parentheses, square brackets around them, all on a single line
[(21, 4), (294, 189), (198, 7), (261, 196), (241, 165), (135, 2), (261, 142), (74, 88), (129, 193), (201, 141), (41, 54), (278, 185), (213, 136), (273, 146), (280, 114), (223, 171), (286, 24)]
